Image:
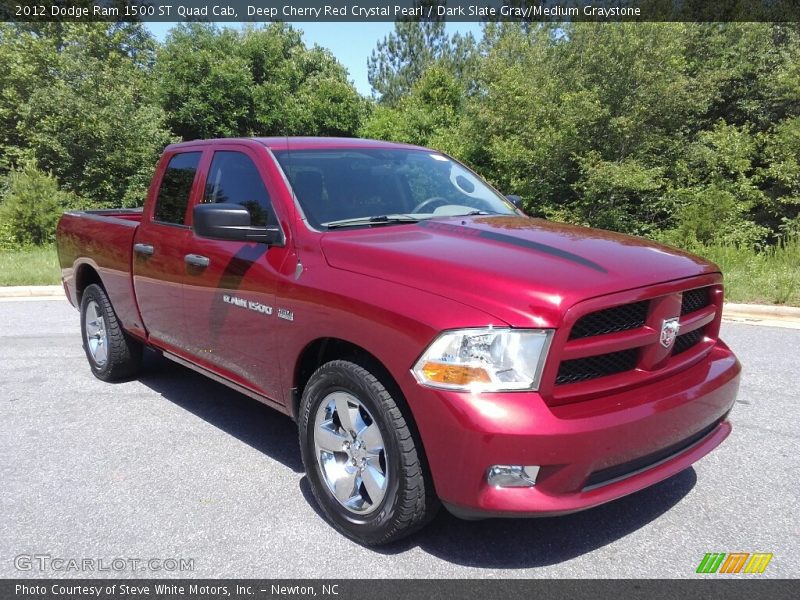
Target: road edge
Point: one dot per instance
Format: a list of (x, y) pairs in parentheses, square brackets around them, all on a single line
[(756, 314), (31, 291)]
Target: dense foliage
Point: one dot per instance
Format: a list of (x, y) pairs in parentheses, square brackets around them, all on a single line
[(685, 132), (32, 203), (259, 81), (402, 58), (86, 108), (78, 98)]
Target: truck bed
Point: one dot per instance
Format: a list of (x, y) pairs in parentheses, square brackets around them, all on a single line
[(111, 214), (102, 239)]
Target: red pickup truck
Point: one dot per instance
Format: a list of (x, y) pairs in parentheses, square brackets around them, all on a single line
[(434, 344)]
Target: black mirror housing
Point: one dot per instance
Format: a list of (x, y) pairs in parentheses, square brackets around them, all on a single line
[(228, 221), (515, 200)]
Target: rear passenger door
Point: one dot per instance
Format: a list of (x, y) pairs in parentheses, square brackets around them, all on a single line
[(229, 292), (159, 249)]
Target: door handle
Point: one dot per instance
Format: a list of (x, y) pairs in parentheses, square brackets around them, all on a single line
[(145, 249), (197, 260)]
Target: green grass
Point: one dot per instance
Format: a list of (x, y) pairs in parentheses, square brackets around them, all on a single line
[(769, 277), (29, 266)]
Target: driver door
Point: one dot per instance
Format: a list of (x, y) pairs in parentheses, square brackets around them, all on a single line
[(229, 287)]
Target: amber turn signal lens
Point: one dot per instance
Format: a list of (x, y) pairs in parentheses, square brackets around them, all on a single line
[(454, 374)]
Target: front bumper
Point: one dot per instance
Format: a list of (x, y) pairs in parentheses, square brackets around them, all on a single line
[(590, 452)]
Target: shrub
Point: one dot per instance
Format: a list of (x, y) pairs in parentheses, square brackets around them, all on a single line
[(712, 215), (31, 204)]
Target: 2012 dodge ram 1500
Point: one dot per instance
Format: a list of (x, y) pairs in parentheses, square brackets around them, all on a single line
[(434, 344)]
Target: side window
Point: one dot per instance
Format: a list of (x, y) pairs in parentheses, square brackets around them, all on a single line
[(234, 178), (176, 185)]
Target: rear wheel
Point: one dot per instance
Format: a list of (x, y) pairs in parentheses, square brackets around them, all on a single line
[(111, 352), (360, 457)]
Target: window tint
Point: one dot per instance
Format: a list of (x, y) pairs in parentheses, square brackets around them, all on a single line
[(173, 195), (234, 178)]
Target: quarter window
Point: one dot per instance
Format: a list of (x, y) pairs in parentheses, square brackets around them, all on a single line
[(234, 178), (176, 185)]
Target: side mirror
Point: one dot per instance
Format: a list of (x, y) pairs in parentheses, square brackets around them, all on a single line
[(515, 200), (226, 221)]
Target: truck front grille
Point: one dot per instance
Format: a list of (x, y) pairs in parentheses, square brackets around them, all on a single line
[(609, 320), (687, 340), (693, 300), (591, 367), (620, 346)]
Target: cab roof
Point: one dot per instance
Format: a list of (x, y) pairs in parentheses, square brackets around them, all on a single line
[(300, 143)]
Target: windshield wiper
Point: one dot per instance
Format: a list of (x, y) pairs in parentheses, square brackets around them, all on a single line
[(375, 220)]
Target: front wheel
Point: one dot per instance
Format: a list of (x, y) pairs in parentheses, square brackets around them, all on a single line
[(112, 353), (364, 468)]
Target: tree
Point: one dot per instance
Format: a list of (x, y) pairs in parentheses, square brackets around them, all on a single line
[(401, 58), (426, 116), (260, 81), (81, 100), (779, 176), (675, 130), (204, 84)]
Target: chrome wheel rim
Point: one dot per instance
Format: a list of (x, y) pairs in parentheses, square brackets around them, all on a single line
[(350, 453), (96, 337)]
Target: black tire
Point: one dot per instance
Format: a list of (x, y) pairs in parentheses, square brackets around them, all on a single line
[(123, 354), (409, 501)]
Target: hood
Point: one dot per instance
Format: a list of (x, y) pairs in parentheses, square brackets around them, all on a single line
[(526, 272)]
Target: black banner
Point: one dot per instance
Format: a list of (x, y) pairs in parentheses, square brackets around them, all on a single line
[(397, 10), (704, 587)]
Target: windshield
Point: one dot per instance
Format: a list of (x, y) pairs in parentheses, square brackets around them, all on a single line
[(355, 186)]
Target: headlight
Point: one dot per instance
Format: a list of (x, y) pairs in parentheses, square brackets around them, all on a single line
[(486, 359)]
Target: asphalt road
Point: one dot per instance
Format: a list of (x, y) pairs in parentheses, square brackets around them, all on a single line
[(176, 466)]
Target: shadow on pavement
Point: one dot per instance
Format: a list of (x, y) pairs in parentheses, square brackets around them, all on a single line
[(521, 543), (248, 420), (492, 543), (526, 543)]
